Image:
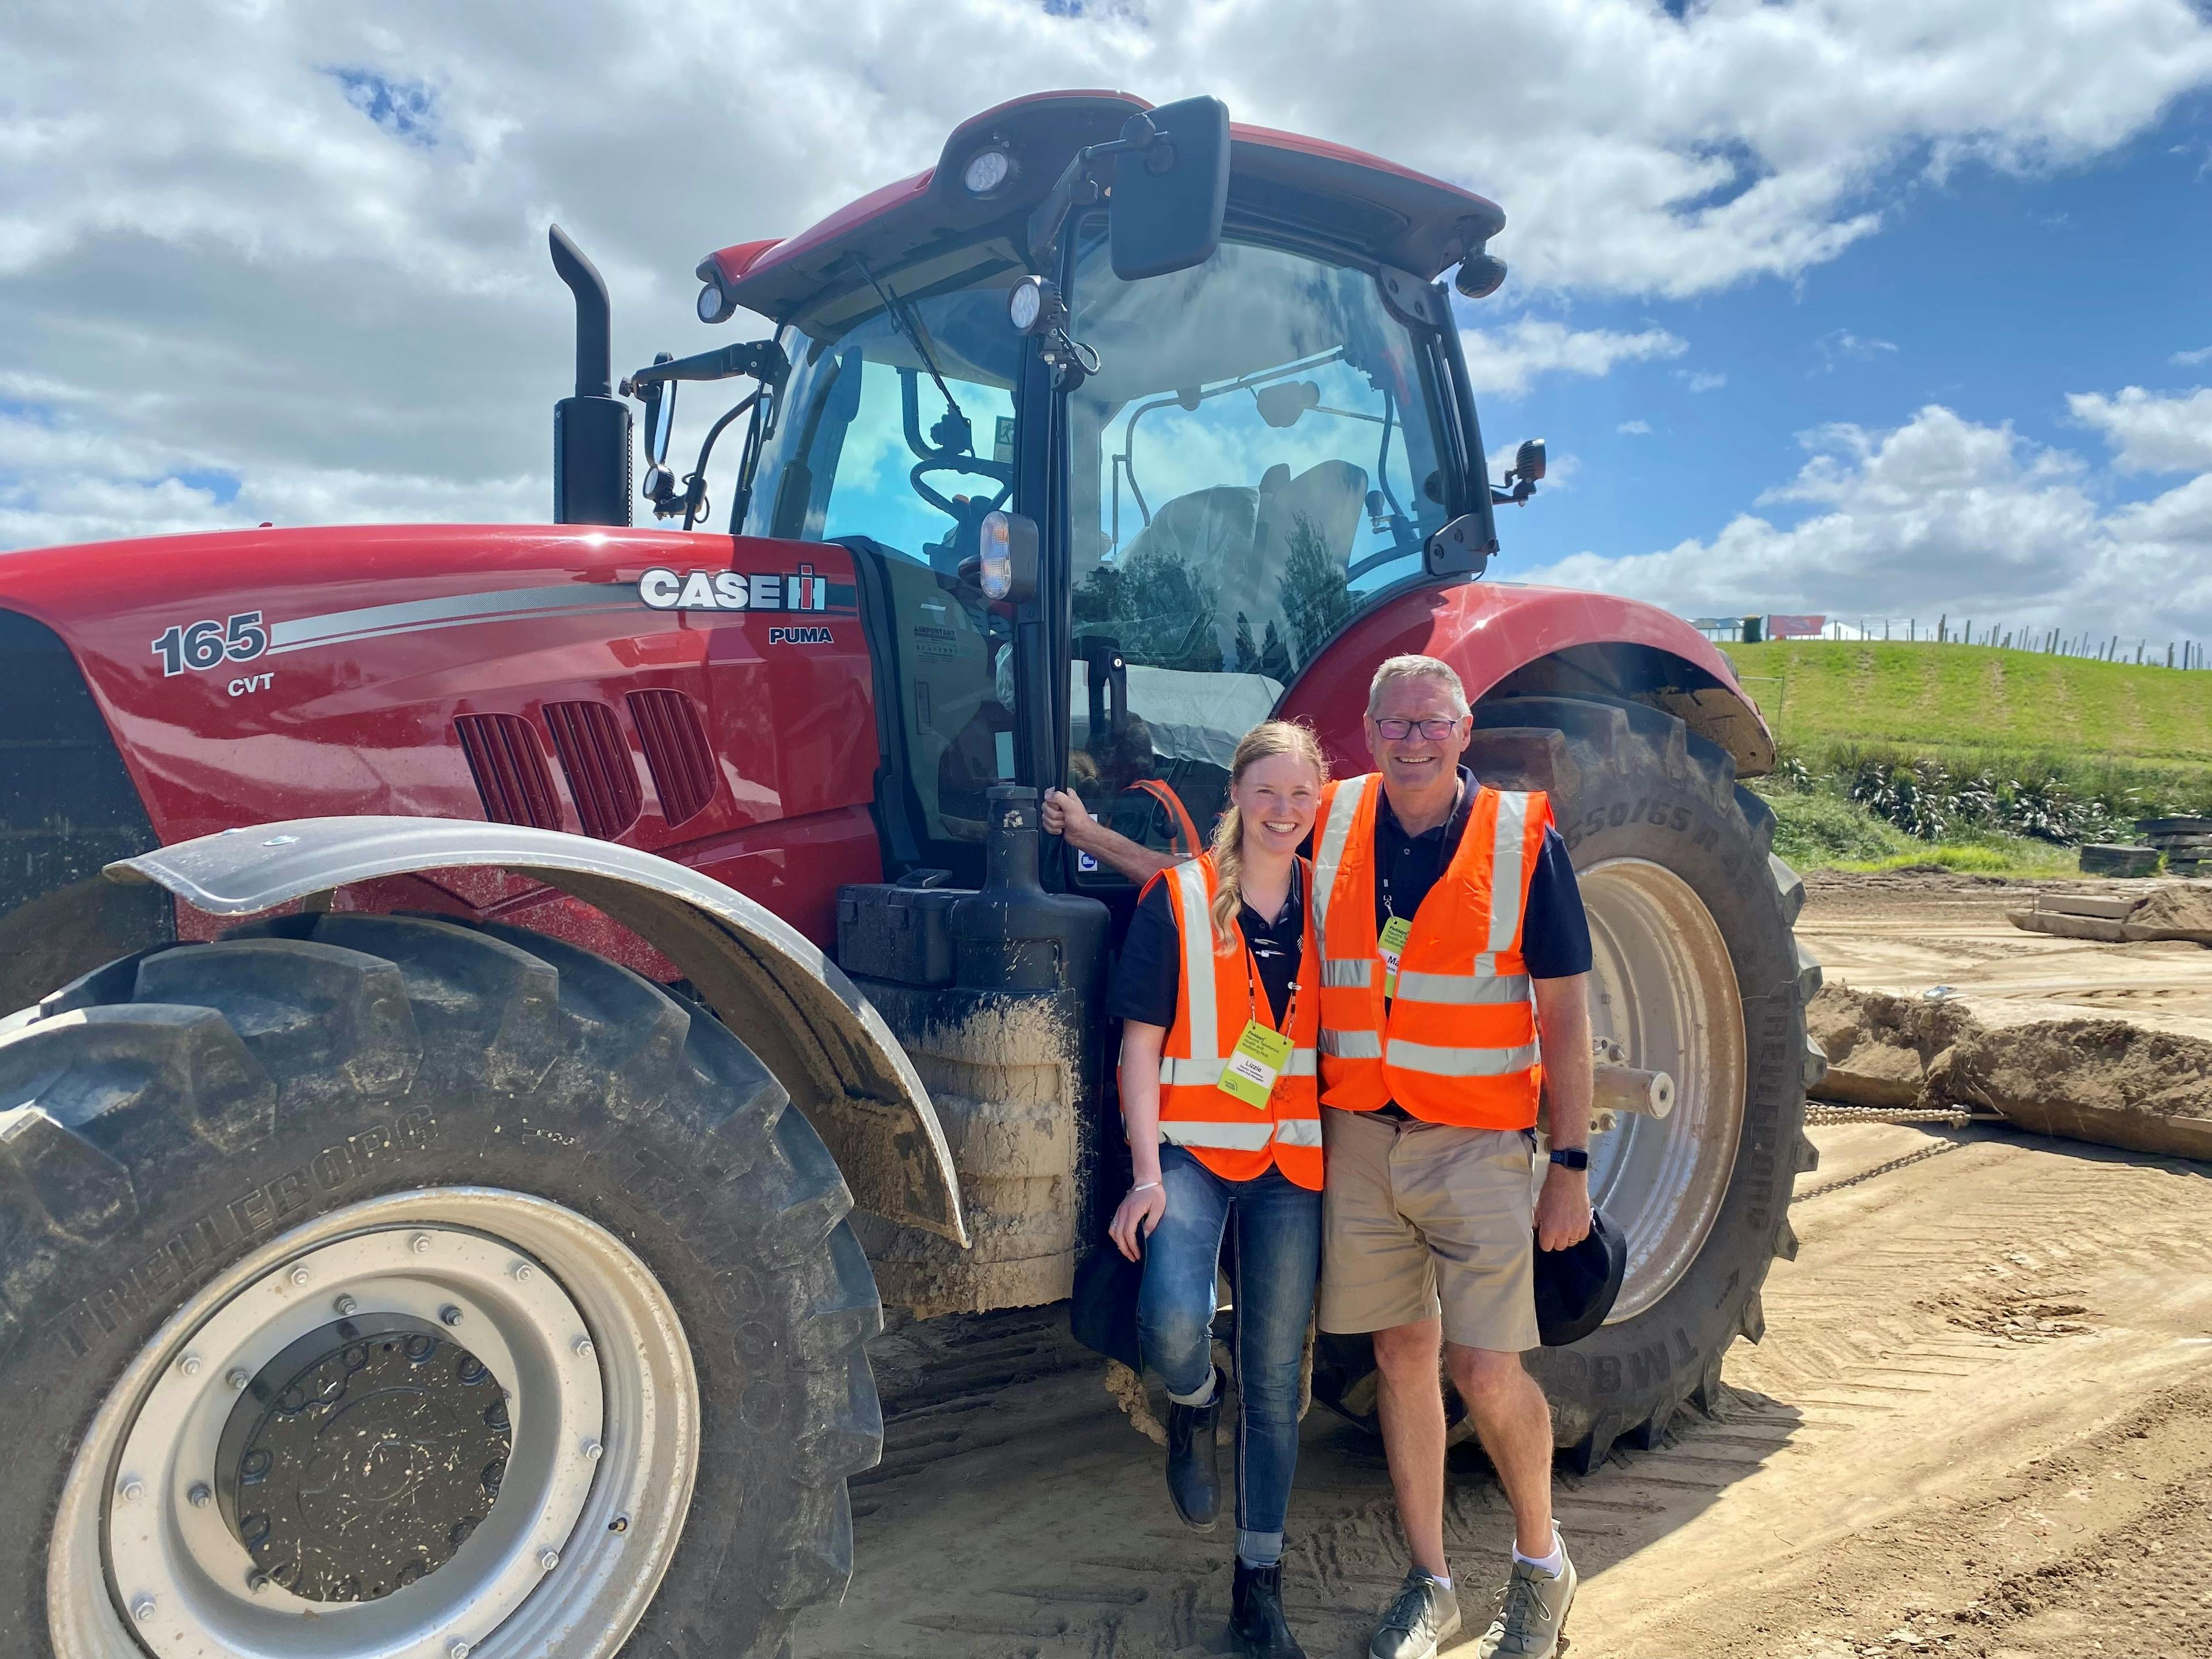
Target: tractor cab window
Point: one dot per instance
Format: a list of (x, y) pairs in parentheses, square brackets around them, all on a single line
[(900, 429), (1257, 456)]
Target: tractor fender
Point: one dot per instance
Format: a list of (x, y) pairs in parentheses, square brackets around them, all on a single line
[(1508, 640), (790, 1004)]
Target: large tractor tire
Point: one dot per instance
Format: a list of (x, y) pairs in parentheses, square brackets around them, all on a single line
[(378, 1285), (1696, 974)]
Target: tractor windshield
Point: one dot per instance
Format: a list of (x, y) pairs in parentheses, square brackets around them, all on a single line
[(898, 424), (1258, 456)]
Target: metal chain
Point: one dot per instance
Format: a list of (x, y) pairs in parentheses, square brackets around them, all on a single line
[(1895, 1164), (1900, 1114)]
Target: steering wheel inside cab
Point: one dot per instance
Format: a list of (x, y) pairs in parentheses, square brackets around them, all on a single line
[(957, 558)]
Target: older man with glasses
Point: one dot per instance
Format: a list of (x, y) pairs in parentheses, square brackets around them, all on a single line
[(1456, 962)]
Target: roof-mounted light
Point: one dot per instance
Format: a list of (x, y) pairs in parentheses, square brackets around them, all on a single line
[(715, 306), (988, 172), (1034, 306)]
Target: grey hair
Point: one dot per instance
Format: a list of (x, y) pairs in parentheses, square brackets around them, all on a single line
[(1418, 668)]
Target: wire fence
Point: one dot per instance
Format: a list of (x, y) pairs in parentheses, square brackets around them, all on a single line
[(2041, 639)]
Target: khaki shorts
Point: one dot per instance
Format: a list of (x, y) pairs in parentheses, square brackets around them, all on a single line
[(1423, 1218)]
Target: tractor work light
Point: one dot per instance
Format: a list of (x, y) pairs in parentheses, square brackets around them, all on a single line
[(1008, 565), (714, 306), (988, 172), (1034, 306)]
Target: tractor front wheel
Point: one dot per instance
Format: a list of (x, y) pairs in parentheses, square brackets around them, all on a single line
[(381, 1286)]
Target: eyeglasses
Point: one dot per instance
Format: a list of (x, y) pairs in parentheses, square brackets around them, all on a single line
[(1398, 731)]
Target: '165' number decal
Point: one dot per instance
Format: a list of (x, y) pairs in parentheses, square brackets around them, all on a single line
[(205, 644)]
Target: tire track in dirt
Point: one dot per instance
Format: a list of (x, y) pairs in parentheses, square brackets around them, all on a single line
[(1949, 1329)]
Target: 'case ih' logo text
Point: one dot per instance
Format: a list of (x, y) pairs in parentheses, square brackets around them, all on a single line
[(734, 589)]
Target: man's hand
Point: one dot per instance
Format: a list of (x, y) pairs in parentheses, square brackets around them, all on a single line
[(1562, 1209), (1064, 815)]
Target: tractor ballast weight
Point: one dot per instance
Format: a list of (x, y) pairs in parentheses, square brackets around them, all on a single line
[(528, 943)]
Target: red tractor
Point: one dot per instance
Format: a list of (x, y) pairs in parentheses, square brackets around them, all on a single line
[(549, 982)]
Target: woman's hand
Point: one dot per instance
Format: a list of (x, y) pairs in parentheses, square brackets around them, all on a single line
[(1139, 1213)]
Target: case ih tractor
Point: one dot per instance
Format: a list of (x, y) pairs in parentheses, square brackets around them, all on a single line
[(549, 982)]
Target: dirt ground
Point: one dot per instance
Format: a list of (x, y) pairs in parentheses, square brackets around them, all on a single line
[(1906, 932), (1980, 1424)]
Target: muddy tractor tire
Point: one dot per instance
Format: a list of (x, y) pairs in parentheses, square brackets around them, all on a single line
[(381, 1285), (1698, 974)]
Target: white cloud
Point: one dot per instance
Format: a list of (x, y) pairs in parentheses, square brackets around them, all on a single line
[(1840, 343), (2190, 359), (305, 243), (1635, 428), (1942, 514), (2153, 433), (1502, 362), (1703, 379)]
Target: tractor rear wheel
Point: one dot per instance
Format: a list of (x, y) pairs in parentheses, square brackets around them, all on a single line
[(1696, 974), (377, 1284)]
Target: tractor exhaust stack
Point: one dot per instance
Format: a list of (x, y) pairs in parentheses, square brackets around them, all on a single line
[(590, 430)]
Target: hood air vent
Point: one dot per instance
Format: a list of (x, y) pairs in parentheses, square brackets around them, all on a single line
[(601, 775), (675, 752), (509, 764)]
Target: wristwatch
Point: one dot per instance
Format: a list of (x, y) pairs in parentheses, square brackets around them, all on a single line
[(1570, 1158)]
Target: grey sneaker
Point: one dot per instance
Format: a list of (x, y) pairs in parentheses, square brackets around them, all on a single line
[(1424, 1614), (1531, 1615)]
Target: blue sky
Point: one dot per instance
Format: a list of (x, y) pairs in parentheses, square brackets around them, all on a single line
[(1897, 286)]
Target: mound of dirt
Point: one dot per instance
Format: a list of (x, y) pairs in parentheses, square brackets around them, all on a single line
[(1881, 1048), (2181, 911), (2102, 1080)]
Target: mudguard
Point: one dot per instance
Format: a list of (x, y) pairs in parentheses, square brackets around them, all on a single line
[(807, 1022)]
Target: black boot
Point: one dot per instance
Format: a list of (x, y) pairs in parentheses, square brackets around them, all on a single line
[(1256, 1614), (1194, 1478)]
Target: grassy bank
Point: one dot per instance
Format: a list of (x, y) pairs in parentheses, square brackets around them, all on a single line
[(1818, 830), (1973, 702)]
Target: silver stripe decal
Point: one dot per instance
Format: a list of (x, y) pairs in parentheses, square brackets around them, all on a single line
[(1357, 973), (1352, 1045), (1460, 1062), (1299, 1132), (1229, 1137), (454, 610), (1328, 849), (1190, 1073), (1507, 877), (1301, 1063), (1477, 989), (1189, 880)]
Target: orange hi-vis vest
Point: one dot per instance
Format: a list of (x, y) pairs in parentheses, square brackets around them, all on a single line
[(1216, 993), (1182, 834), (1457, 1042)]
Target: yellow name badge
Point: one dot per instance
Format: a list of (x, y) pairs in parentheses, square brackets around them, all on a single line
[(1249, 1073), (1396, 932)]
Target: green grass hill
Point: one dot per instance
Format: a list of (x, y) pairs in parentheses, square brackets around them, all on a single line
[(1965, 702)]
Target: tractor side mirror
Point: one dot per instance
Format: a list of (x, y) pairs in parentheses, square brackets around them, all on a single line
[(1007, 570), (1170, 189), (660, 484)]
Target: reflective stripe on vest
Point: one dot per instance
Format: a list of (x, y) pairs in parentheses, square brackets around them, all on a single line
[(1457, 1043), (1216, 992)]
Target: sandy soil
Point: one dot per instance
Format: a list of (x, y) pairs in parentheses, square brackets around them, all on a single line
[(1980, 1424), (1906, 932)]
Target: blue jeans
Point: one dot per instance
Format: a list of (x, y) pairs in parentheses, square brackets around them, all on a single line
[(1278, 1258)]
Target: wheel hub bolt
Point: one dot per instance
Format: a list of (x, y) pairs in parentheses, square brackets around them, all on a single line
[(199, 1496), (238, 1379), (420, 1243), (133, 1489), (458, 1650), (584, 1347), (347, 1307), (190, 1364), (592, 1449), (449, 1314), (620, 1523), (522, 1270), (299, 1276), (257, 1581), (549, 1559), (142, 1608)]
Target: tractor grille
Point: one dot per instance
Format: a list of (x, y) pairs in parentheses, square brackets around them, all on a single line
[(675, 752), (601, 775), (509, 766)]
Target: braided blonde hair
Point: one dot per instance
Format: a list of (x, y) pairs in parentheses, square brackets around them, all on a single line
[(1263, 742)]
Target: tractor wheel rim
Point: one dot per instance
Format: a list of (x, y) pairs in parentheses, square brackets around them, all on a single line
[(393, 1433), (1664, 990)]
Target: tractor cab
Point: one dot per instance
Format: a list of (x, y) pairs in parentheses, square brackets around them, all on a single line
[(1209, 370)]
